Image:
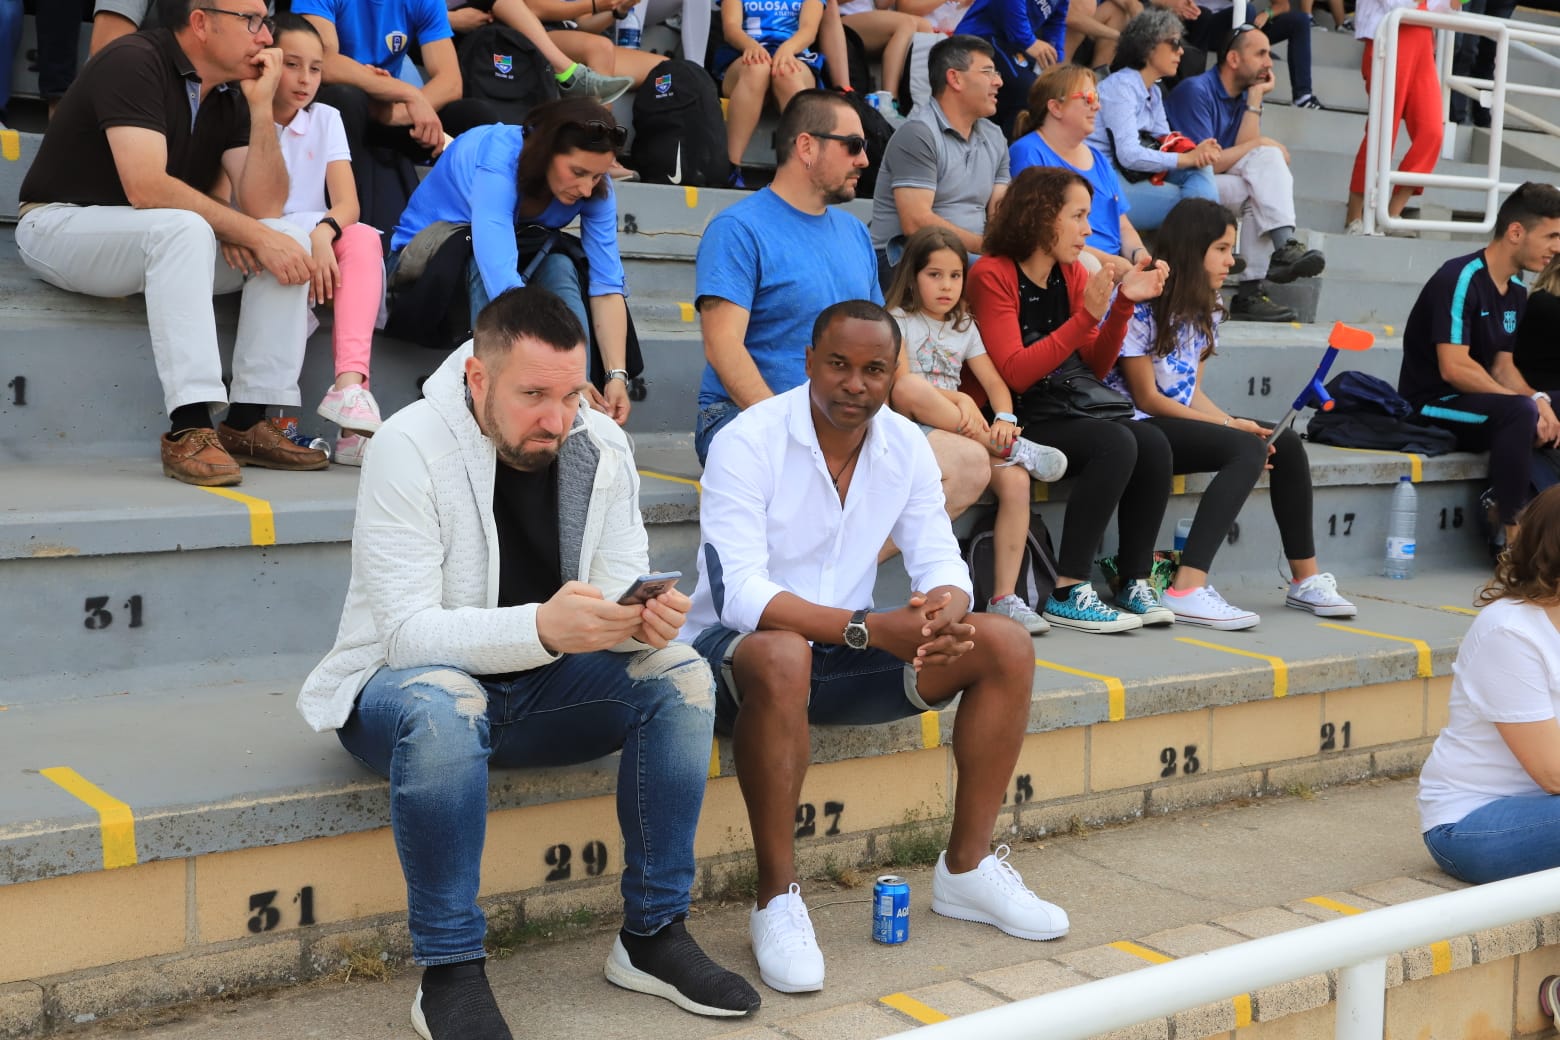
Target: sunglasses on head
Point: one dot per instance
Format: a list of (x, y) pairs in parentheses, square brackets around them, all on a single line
[(1235, 34), (854, 144), (614, 135)]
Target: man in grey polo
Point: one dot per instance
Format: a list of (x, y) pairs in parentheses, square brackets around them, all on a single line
[(948, 164)]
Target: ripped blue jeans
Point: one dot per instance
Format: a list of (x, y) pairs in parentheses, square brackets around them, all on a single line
[(433, 732)]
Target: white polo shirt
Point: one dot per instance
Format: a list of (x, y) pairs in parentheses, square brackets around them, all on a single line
[(312, 140), (770, 520)]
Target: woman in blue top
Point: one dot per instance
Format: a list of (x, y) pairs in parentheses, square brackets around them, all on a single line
[(553, 169), (767, 51), (1063, 105)]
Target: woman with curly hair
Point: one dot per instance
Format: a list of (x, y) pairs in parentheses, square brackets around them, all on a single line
[(1487, 793), (1044, 319)]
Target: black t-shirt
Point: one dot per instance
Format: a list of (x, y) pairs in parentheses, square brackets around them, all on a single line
[(1461, 305), (1537, 352), (525, 511), (1042, 309), (141, 80)]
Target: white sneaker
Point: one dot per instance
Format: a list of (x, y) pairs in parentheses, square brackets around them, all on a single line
[(1203, 606), (352, 408), (1319, 595), (783, 941), (994, 893), (1042, 461), (1013, 607), (350, 448)]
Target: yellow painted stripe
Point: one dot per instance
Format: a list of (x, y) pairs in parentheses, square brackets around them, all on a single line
[(1335, 906), (714, 758), (691, 196), (1113, 686), (931, 729), (1142, 952), (1388, 330), (1242, 1010), (1419, 644), (1280, 668), (686, 309), (1040, 491), (262, 522), (1459, 610), (1178, 484), (1440, 957), (1416, 463), (10, 145), (115, 820), (908, 1005), (674, 478)]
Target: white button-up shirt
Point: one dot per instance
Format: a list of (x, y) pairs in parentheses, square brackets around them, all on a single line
[(771, 521)]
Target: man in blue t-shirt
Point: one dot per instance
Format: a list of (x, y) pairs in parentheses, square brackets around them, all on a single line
[(1457, 347), (1252, 173), (370, 82)]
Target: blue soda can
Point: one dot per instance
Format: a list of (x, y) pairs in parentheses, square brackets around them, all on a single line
[(891, 910)]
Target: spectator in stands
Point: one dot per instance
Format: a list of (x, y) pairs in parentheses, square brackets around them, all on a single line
[(942, 344), (58, 26), (1027, 37), (798, 496), (365, 79), (1038, 309), (770, 260), (1457, 365), (123, 198), (1252, 171), (112, 19), (1132, 124), (1475, 56), (1534, 352), (550, 171), (1054, 131), (767, 53), (498, 524), (886, 34), (574, 56), (1487, 805), (947, 166), (1214, 26), (349, 269), (1416, 102), (1169, 341), (1098, 25)]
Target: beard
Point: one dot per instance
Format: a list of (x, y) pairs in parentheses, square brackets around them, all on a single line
[(840, 194), (513, 455)]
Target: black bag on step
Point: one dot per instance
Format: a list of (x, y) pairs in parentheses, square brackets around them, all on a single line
[(505, 69), (878, 131), (1036, 570), (679, 133)]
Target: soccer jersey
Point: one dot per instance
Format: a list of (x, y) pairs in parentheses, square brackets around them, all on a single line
[(378, 32), (1460, 304)]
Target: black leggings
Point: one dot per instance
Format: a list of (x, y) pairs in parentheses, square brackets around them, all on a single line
[(1119, 465), (1236, 459), (1505, 425)]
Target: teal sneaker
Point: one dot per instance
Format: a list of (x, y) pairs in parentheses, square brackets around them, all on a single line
[(1138, 597), (1080, 607)]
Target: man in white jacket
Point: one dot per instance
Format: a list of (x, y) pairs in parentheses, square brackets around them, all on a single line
[(497, 525)]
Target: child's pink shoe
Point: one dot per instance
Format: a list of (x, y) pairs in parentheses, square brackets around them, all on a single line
[(352, 408)]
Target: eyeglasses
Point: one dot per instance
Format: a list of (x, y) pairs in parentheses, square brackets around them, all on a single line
[(1235, 34), (1088, 97), (253, 22), (854, 144), (615, 135), (1175, 43)]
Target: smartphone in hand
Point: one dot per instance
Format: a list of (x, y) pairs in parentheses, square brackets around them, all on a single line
[(648, 586)]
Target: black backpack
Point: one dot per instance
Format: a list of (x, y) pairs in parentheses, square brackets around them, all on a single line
[(505, 69), (1036, 571), (877, 130), (679, 132)]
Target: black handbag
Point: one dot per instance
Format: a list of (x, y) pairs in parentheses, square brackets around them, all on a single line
[(1072, 391)]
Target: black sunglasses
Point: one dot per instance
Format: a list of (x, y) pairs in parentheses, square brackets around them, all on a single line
[(1176, 43), (614, 135), (1235, 34), (854, 144)]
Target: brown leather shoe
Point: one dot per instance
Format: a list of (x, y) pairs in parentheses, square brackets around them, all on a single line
[(263, 445), (198, 458)]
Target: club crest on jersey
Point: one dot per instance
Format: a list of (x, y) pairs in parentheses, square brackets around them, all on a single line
[(663, 84), (397, 41), (504, 65), (1509, 321)]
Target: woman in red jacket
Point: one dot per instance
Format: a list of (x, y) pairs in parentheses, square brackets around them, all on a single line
[(1037, 307)]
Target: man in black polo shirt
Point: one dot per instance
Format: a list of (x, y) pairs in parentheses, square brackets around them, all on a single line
[(1457, 365), (130, 193)]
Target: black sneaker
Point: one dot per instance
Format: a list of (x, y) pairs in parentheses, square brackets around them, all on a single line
[(1239, 266), (1293, 261), (670, 964), (1252, 304), (455, 1002)]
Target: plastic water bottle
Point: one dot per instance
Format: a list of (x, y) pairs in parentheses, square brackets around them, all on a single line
[(1183, 529), (630, 28), (1400, 533)]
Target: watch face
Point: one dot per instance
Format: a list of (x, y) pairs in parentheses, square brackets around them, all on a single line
[(856, 635)]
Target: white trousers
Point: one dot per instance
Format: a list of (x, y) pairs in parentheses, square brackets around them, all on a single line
[(1261, 191), (171, 255)]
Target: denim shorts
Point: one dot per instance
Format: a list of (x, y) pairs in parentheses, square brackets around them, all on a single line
[(849, 687)]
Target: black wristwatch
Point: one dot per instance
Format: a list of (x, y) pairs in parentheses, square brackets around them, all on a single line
[(333, 226), (856, 631)]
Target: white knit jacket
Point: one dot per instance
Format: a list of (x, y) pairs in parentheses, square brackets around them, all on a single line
[(424, 588)]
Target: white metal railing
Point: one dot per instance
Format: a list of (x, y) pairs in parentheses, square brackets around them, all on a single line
[(1357, 946), (1523, 38)]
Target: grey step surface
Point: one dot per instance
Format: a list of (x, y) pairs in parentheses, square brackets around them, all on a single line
[(230, 765)]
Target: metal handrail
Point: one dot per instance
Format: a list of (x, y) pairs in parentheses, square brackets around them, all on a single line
[(1381, 178), (1357, 946)]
